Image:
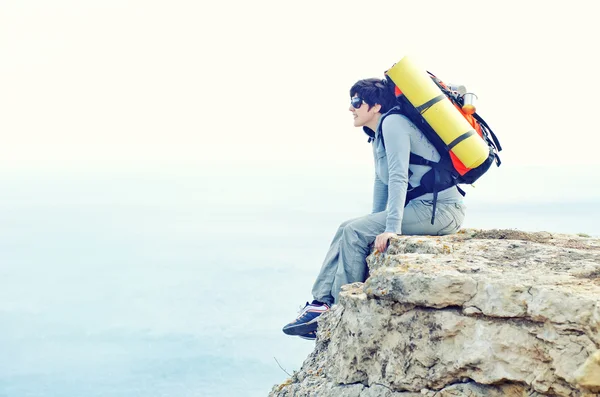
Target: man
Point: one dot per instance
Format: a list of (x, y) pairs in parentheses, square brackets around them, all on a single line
[(395, 211)]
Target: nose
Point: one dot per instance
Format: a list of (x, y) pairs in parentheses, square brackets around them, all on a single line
[(351, 108)]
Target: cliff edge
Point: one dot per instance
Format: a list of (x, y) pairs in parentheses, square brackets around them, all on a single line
[(478, 313)]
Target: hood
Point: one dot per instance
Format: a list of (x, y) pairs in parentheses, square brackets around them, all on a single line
[(370, 133)]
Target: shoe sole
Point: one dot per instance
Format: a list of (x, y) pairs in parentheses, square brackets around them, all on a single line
[(301, 329)]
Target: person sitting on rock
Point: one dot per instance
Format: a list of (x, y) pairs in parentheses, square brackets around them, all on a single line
[(394, 137)]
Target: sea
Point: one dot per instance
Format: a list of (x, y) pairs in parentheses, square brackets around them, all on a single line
[(163, 283)]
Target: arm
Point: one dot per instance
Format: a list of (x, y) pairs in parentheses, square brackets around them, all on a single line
[(396, 134), (380, 195)]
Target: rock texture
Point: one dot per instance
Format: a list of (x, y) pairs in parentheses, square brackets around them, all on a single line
[(479, 313)]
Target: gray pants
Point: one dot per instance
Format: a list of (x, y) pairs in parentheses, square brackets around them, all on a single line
[(346, 260)]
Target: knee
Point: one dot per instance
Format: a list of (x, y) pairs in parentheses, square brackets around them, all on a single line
[(349, 226), (351, 232), (344, 224)]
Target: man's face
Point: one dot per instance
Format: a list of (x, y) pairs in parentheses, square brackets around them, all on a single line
[(360, 111)]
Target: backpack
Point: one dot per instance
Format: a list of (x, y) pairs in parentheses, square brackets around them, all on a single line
[(449, 170)]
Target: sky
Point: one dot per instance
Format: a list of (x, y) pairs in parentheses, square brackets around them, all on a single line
[(220, 87), (207, 116)]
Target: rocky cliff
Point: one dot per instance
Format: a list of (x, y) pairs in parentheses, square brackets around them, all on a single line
[(479, 313)]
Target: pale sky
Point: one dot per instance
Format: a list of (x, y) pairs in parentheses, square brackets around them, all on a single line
[(109, 85)]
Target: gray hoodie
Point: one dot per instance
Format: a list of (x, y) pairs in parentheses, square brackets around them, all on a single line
[(393, 173)]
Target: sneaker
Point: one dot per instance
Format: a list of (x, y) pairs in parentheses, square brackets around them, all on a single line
[(312, 335), (306, 322)]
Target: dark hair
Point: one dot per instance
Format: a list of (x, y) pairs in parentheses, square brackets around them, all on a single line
[(375, 91)]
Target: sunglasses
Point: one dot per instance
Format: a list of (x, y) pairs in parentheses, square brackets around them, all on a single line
[(356, 102)]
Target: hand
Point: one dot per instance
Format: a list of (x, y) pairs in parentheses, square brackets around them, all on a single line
[(381, 241)]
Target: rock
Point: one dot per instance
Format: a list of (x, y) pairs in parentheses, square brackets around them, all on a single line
[(588, 375), (479, 313)]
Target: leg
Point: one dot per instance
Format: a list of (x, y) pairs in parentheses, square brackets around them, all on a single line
[(322, 286), (417, 218), (305, 325), (345, 261)]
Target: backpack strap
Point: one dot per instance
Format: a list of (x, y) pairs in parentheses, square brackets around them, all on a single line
[(488, 129), (394, 110), (421, 109), (487, 133), (421, 190), (436, 167)]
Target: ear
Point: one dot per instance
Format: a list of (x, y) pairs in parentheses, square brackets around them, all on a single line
[(376, 108)]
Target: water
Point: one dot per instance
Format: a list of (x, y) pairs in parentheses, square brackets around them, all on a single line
[(162, 285)]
